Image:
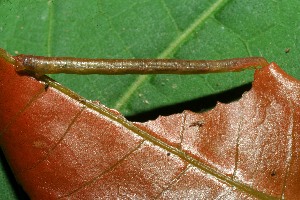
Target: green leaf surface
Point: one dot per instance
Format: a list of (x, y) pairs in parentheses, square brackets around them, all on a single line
[(184, 29)]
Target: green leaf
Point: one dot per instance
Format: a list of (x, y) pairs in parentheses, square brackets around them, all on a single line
[(185, 29)]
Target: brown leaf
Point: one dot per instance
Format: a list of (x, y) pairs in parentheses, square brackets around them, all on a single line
[(254, 141), (62, 146)]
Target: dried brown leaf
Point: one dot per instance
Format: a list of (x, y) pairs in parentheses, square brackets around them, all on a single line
[(62, 146)]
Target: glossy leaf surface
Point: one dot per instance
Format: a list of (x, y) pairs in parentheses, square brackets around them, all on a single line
[(126, 29), (60, 145), (193, 29)]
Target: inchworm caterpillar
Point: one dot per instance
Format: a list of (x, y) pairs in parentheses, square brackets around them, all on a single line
[(52, 65)]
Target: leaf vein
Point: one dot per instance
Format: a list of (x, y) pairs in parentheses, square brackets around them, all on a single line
[(290, 139), (173, 46), (27, 105), (178, 152), (57, 143), (172, 182), (50, 27), (163, 2), (94, 179)]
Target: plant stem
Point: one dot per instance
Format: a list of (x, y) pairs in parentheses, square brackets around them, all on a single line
[(53, 65)]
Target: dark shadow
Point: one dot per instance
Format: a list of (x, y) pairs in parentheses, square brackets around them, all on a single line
[(18, 190), (195, 105)]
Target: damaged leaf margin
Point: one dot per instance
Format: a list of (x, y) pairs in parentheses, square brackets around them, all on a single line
[(190, 153)]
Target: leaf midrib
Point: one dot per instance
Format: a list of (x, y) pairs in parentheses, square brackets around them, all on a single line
[(148, 137), (172, 47)]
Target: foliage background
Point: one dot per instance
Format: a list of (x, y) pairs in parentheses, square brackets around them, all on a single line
[(185, 29)]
